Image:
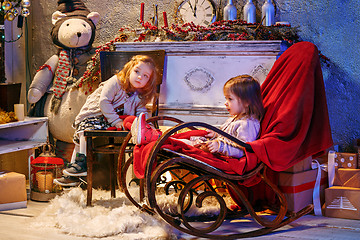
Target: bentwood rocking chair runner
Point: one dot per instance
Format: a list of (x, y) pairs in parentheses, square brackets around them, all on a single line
[(295, 126), (111, 63)]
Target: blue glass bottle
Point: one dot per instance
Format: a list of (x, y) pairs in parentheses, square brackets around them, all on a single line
[(249, 12), (268, 13), (230, 12)]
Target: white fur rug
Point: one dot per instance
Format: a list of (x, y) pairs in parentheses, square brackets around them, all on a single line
[(116, 218), (108, 217)]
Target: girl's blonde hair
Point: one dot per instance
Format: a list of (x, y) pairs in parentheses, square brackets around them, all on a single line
[(247, 89), (149, 90)]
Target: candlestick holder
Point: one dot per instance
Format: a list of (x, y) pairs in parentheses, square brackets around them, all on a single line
[(155, 17)]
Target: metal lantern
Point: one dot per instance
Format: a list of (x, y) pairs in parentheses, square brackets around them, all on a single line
[(44, 169)]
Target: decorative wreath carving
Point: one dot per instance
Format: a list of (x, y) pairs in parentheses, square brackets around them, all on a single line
[(199, 79)]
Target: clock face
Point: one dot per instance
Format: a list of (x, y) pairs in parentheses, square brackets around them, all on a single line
[(200, 12)]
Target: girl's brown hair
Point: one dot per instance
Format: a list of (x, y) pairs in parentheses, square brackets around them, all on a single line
[(149, 91), (247, 89)]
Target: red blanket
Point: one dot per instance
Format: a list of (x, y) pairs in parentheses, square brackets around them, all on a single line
[(295, 125), (226, 164)]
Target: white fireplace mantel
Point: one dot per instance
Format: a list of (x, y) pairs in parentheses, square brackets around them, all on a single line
[(195, 73), (224, 48)]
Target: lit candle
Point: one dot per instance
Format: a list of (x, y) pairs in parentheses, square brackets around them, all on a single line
[(165, 19), (142, 12)]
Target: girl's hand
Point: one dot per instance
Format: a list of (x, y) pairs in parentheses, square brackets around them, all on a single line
[(213, 146), (119, 125), (210, 134)]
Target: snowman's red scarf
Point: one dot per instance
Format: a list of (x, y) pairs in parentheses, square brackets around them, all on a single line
[(64, 75)]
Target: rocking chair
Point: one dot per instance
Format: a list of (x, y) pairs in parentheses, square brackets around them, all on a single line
[(295, 126)]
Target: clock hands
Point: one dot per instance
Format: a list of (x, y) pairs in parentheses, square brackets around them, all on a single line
[(193, 9)]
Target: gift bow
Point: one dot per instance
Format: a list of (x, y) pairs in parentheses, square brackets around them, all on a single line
[(330, 169)]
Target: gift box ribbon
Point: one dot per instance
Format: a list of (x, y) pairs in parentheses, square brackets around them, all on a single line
[(302, 187), (330, 168)]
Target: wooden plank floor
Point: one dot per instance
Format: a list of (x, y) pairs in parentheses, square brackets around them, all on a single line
[(14, 225)]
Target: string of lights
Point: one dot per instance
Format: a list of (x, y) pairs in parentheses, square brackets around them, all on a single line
[(11, 10), (13, 40)]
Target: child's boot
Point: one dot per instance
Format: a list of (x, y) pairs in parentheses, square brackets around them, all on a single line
[(67, 181), (142, 132), (78, 168)]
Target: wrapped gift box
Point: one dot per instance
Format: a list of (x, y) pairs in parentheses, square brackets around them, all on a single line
[(342, 202), (298, 188), (301, 166), (347, 177), (12, 191), (345, 160), (358, 155), (357, 147)]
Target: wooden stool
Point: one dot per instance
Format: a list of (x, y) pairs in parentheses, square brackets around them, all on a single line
[(110, 147)]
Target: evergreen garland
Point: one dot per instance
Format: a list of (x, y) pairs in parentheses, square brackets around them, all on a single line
[(224, 30)]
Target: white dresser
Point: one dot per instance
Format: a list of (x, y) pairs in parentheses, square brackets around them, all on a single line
[(195, 72)]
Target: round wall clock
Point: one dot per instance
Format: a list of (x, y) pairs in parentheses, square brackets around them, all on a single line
[(200, 12)]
